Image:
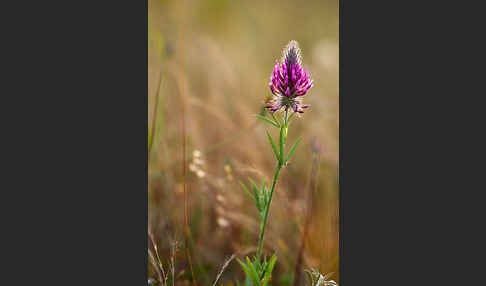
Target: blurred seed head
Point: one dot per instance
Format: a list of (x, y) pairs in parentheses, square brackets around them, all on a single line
[(220, 198), (197, 163), (196, 154), (200, 173), (227, 168), (222, 222), (229, 173)]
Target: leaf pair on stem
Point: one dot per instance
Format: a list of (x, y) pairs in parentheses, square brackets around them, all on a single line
[(279, 154)]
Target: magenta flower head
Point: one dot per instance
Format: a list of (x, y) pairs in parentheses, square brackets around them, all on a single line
[(289, 82)]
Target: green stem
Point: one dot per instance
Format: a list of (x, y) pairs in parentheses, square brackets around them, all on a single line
[(265, 214), (283, 132)]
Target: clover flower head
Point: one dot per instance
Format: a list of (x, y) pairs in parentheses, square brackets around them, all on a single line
[(289, 82)]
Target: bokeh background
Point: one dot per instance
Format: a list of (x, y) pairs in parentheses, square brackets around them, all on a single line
[(209, 64)]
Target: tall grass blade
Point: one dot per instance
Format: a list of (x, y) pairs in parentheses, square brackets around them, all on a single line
[(223, 268)]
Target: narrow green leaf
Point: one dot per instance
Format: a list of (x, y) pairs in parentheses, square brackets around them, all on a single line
[(247, 273), (273, 146), (248, 192), (275, 118), (263, 267), (293, 149), (248, 261), (253, 273), (267, 120), (257, 266), (245, 267), (264, 193), (254, 185), (269, 269), (257, 195), (265, 198)]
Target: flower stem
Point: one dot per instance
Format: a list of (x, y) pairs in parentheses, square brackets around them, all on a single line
[(283, 132), (265, 214)]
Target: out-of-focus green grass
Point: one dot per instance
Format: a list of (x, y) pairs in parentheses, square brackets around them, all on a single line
[(217, 57)]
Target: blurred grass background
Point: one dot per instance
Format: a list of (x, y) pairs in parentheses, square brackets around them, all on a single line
[(216, 57)]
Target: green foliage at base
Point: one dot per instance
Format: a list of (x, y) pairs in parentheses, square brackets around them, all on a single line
[(258, 272)]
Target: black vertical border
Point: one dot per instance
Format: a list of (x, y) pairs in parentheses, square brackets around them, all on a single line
[(82, 92)]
